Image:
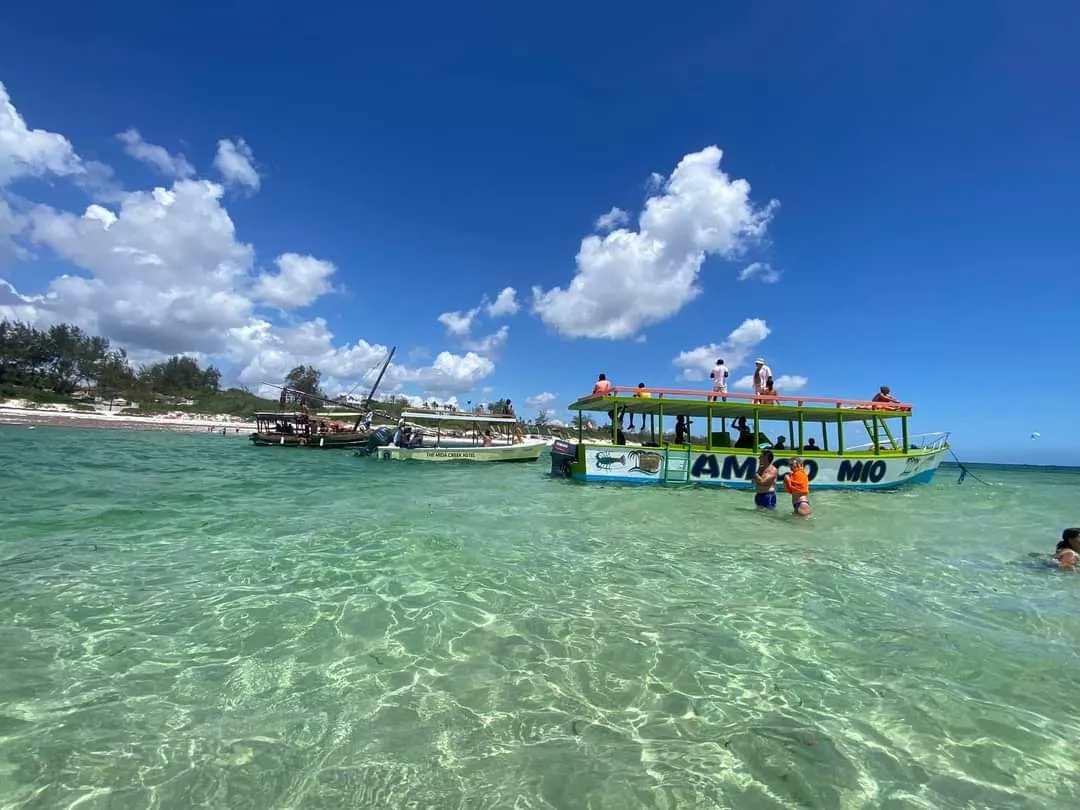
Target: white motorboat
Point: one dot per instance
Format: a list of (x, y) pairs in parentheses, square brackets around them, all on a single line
[(453, 436)]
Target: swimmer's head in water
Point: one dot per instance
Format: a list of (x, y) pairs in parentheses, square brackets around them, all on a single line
[(1070, 538)]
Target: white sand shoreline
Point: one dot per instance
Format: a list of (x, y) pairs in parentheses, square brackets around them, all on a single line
[(19, 412)]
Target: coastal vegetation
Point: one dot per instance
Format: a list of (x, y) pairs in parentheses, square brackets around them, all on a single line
[(65, 365)]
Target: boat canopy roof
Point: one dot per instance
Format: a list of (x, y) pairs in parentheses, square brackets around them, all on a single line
[(453, 416), (283, 416), (684, 402)]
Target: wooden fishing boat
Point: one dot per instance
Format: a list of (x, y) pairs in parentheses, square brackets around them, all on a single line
[(886, 455), (299, 429), (294, 425)]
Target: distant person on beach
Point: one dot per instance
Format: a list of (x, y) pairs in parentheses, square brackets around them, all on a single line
[(1067, 552), (765, 482), (719, 376), (797, 485)]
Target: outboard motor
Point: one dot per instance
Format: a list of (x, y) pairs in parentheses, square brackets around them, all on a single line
[(563, 454), (380, 437)]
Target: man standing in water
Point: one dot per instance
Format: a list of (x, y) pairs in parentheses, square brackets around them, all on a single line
[(765, 482)]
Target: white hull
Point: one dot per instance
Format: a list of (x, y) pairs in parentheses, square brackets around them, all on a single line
[(447, 442), (529, 450)]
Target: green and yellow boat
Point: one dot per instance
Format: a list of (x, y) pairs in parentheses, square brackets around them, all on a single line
[(846, 444)]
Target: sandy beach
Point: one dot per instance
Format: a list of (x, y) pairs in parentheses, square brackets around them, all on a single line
[(18, 412)]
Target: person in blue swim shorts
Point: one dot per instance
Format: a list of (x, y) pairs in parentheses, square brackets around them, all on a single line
[(765, 482)]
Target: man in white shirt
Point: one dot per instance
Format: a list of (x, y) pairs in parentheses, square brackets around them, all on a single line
[(719, 376), (761, 375)]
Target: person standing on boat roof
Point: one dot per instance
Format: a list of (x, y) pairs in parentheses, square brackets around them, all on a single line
[(642, 393), (719, 376), (765, 482), (762, 373)]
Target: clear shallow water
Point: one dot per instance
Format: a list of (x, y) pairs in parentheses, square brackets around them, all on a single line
[(187, 621)]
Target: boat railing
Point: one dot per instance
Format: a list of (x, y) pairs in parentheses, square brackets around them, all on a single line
[(759, 399), (929, 441), (919, 441)]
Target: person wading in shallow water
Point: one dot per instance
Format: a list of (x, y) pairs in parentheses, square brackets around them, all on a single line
[(765, 482), (797, 484), (1067, 553)]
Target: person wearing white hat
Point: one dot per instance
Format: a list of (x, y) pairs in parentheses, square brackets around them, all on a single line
[(762, 373)]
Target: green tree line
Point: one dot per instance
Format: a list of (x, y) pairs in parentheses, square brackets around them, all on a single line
[(57, 363), (64, 360)]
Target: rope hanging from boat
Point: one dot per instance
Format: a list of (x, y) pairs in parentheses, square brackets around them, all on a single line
[(964, 471)]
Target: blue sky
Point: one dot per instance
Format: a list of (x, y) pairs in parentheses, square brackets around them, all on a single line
[(912, 174)]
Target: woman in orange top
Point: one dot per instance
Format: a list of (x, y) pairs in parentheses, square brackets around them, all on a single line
[(797, 484)]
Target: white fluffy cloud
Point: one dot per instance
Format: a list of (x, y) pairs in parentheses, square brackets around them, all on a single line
[(490, 344), (628, 279), (236, 162), (31, 152), (300, 280), (541, 400), (10, 225), (505, 303), (612, 219), (166, 270), (734, 350), (269, 352), (459, 323), (156, 156), (784, 384), (760, 271), (162, 272)]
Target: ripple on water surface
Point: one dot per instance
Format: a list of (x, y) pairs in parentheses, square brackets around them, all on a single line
[(188, 621)]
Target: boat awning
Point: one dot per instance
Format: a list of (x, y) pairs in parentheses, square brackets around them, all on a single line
[(506, 419), (784, 409)]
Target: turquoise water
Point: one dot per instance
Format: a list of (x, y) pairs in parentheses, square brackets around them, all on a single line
[(187, 621)]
